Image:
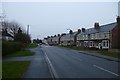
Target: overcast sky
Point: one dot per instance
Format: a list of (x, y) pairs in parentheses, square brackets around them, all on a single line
[(50, 18)]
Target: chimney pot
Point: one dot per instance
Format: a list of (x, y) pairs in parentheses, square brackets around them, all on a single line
[(83, 29), (96, 25), (118, 19)]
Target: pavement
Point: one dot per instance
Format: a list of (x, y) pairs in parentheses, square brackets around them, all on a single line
[(38, 67)]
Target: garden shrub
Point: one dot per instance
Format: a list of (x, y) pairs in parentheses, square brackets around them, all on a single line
[(10, 47)]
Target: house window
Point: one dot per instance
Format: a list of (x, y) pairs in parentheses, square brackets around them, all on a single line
[(86, 37), (83, 37), (106, 35), (105, 43), (99, 35), (91, 43), (92, 36), (96, 36)]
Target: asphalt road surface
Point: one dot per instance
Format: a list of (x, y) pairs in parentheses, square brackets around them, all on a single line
[(66, 63)]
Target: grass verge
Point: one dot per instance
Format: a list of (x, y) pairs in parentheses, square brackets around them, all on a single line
[(32, 45), (14, 69), (102, 52), (23, 52), (75, 48), (107, 53)]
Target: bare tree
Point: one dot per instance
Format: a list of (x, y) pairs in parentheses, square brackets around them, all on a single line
[(12, 27)]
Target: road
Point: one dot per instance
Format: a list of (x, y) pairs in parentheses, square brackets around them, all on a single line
[(66, 63)]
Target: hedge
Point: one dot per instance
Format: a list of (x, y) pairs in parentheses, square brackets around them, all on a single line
[(10, 47)]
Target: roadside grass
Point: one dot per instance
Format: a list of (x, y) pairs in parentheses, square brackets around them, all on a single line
[(14, 69), (0, 69), (75, 48), (23, 52), (102, 52), (32, 45), (108, 53)]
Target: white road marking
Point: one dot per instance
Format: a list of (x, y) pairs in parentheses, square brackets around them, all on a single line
[(53, 70), (106, 70)]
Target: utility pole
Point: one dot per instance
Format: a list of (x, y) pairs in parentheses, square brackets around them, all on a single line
[(28, 33), (28, 29)]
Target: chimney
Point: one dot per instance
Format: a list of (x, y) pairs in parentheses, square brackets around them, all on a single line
[(58, 34), (118, 19), (96, 25), (48, 36), (79, 31), (54, 35), (83, 29)]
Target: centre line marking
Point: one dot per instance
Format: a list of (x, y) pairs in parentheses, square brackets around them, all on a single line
[(106, 70)]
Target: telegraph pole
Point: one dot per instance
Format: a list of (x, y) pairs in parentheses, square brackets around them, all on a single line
[(27, 33), (28, 29)]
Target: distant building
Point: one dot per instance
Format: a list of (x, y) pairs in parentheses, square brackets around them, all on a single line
[(49, 40), (100, 36), (8, 37), (56, 40)]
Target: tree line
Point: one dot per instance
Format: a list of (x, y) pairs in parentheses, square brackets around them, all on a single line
[(19, 38), (15, 31)]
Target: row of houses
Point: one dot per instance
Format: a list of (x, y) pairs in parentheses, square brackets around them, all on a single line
[(100, 36)]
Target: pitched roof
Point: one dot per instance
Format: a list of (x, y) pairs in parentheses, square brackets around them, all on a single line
[(103, 28)]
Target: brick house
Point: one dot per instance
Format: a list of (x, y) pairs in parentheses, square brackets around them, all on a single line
[(116, 35)]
